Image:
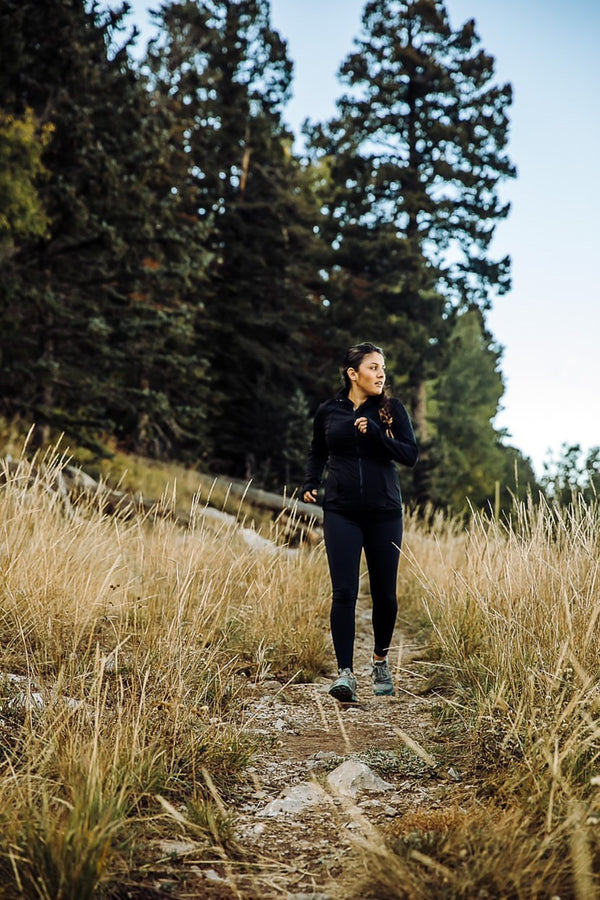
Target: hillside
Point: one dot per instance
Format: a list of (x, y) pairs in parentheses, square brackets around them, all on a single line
[(165, 727)]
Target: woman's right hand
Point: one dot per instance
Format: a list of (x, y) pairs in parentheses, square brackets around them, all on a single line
[(310, 496)]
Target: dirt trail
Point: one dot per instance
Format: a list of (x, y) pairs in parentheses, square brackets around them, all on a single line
[(308, 854)]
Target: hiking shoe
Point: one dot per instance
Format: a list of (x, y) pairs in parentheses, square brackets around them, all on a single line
[(382, 677), (344, 687)]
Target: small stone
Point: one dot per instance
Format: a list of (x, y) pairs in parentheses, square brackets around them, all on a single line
[(73, 703), (211, 875), (303, 896), (370, 804), (352, 777), (15, 679), (295, 799), (30, 701)]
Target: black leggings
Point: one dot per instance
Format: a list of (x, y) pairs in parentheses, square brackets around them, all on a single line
[(380, 533)]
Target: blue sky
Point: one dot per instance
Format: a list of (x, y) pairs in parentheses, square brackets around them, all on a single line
[(549, 324)]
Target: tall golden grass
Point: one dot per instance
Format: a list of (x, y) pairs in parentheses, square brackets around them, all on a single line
[(126, 646), (512, 610)]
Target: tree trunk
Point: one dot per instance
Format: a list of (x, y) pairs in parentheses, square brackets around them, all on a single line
[(40, 435), (421, 472), (419, 410)]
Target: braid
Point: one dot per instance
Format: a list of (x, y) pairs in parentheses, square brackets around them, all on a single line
[(385, 413)]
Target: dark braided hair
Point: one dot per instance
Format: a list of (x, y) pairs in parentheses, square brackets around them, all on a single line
[(352, 360)]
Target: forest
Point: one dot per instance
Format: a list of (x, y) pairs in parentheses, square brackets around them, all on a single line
[(181, 281), (181, 276)]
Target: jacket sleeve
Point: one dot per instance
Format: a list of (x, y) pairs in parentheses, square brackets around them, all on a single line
[(318, 453), (402, 447)]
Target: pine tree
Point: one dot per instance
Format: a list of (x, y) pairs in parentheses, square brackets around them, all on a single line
[(572, 473), (226, 74), (99, 316), (296, 438), (472, 466), (416, 155), (466, 447), (519, 481)]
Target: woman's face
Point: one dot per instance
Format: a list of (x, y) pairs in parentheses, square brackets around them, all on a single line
[(370, 375)]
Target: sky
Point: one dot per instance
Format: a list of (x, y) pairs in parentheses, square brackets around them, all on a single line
[(549, 323)]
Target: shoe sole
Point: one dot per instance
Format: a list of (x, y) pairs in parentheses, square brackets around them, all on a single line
[(342, 693), (386, 692)]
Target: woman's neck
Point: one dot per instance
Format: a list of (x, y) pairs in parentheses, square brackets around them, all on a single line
[(356, 396)]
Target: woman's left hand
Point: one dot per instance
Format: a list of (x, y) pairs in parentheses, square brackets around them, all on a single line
[(361, 424)]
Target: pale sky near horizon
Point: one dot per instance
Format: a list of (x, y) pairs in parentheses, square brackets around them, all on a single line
[(549, 323)]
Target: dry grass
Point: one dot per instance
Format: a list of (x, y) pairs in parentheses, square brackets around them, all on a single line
[(134, 641), (515, 642), (514, 611), (491, 852)]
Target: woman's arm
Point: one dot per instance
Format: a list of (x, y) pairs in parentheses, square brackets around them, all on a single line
[(401, 446), (317, 459)]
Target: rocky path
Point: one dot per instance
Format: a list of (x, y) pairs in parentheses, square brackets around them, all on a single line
[(330, 774)]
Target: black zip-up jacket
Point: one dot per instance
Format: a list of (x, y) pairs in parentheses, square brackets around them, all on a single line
[(361, 470)]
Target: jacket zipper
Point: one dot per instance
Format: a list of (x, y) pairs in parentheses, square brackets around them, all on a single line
[(360, 470)]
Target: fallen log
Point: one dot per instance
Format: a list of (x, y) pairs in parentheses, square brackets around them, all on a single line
[(268, 500), (298, 521)]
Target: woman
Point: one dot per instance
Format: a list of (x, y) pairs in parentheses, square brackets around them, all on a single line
[(359, 435)]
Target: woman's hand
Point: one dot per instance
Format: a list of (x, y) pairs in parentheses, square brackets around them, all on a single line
[(310, 496), (361, 424)]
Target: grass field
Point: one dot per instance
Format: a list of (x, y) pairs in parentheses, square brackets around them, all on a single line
[(127, 646), (511, 614)]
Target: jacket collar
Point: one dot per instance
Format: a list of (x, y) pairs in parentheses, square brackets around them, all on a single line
[(342, 395)]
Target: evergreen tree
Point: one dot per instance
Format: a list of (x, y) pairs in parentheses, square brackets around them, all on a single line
[(296, 438), (571, 473), (519, 480), (471, 465), (416, 154), (98, 318), (226, 73), (466, 449)]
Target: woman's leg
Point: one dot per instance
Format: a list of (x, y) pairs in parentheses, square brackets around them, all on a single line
[(343, 542), (383, 539)]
